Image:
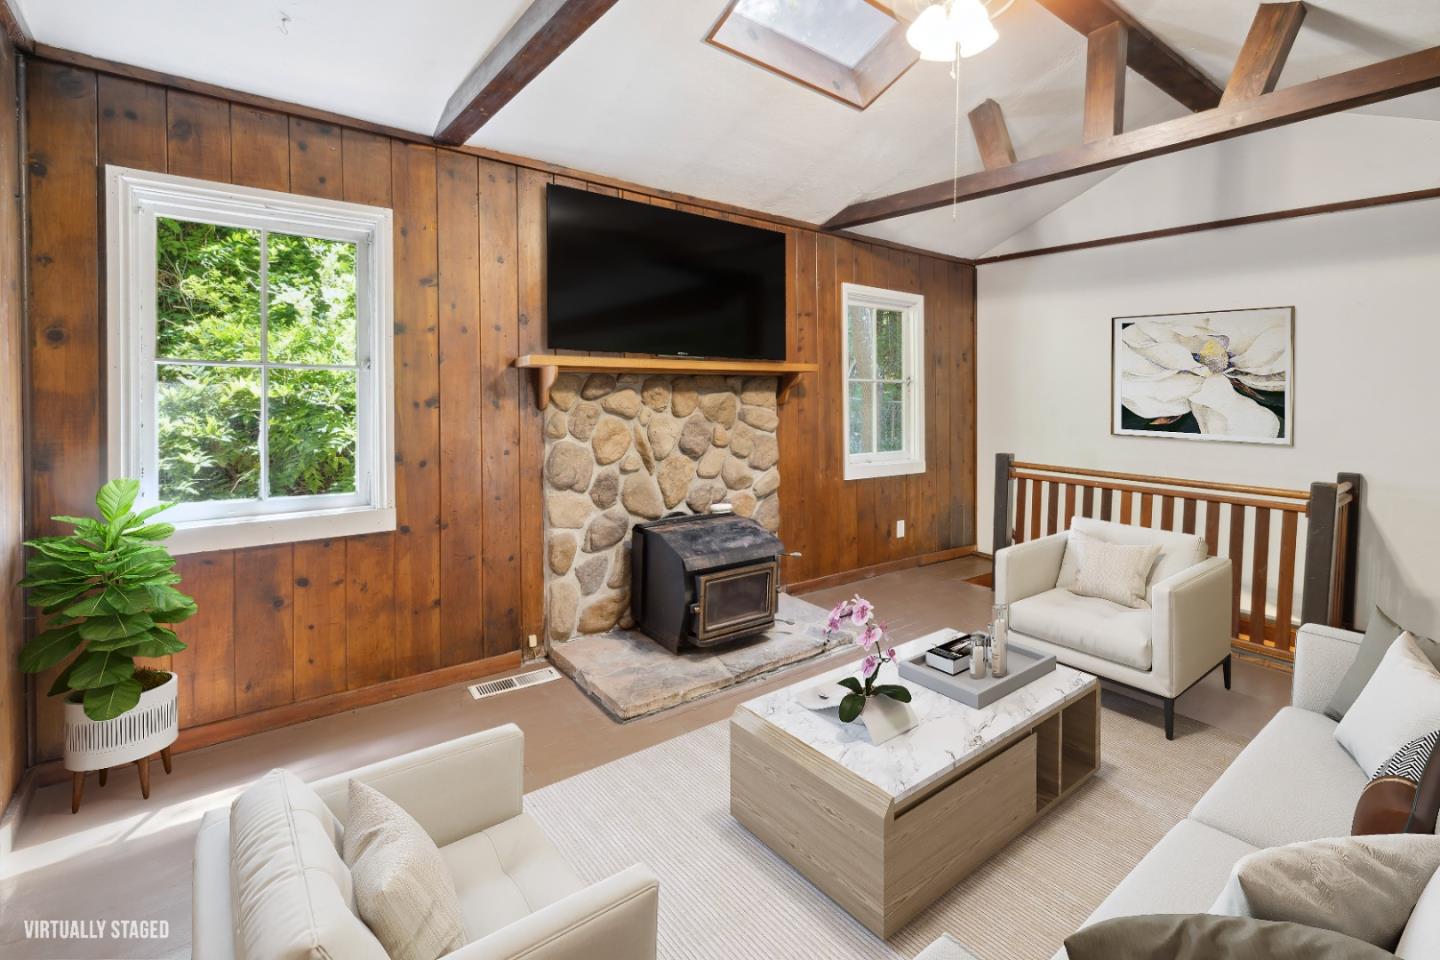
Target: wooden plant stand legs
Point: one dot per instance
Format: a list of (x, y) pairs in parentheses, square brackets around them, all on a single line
[(77, 780)]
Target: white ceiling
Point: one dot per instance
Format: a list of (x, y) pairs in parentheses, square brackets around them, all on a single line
[(640, 97)]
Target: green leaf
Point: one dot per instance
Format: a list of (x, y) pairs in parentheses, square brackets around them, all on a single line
[(851, 706), (126, 645), (101, 668), (49, 648), (62, 681), (115, 625), (149, 512), (894, 691), (109, 702), (851, 684), (155, 531), (116, 497), (157, 643), (97, 604), (58, 595)]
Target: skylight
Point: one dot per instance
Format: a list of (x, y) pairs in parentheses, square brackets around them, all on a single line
[(850, 50), (841, 30)]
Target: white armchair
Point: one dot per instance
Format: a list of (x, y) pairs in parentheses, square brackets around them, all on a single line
[(1163, 650), (518, 896)]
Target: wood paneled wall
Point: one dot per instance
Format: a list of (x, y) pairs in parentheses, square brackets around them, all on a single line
[(460, 581), (12, 687)]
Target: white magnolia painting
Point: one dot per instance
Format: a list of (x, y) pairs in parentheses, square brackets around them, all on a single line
[(1226, 375)]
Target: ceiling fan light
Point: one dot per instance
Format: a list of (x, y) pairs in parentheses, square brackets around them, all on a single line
[(970, 24), (931, 35)]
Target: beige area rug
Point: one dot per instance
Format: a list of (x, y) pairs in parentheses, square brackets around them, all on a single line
[(632, 676), (724, 895)]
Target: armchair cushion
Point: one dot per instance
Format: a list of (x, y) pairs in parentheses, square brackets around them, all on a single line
[(292, 897), (1087, 624), (506, 873), (1118, 572), (1178, 551)]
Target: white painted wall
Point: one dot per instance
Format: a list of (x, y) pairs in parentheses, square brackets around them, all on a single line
[(1366, 289)]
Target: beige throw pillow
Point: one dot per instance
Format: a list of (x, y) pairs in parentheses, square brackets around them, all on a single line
[(1363, 887), (1115, 572), (403, 890)]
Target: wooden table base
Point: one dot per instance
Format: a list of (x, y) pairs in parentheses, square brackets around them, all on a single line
[(77, 778)]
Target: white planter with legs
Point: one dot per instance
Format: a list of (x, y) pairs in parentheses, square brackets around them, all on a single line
[(99, 744)]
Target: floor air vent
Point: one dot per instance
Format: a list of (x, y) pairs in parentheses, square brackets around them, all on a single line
[(480, 691)]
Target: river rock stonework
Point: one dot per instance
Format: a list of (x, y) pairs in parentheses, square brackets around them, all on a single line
[(679, 444)]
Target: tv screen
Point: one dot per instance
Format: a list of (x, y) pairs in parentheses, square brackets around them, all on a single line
[(626, 277)]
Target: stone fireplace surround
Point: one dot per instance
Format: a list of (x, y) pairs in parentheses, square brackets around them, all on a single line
[(623, 449)]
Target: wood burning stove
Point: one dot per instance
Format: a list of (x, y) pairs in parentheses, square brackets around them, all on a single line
[(703, 579)]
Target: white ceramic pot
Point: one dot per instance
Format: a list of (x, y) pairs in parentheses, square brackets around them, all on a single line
[(886, 719), (98, 744)]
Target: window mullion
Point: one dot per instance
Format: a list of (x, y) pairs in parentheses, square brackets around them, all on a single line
[(877, 391), (264, 364)]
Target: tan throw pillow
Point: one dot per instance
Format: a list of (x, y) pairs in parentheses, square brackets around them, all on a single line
[(1204, 937), (1363, 887), (1115, 572), (403, 890)]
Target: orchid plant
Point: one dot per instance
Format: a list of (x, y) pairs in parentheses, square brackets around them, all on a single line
[(859, 612)]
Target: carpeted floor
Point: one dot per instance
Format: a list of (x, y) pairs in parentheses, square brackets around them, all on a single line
[(723, 894)]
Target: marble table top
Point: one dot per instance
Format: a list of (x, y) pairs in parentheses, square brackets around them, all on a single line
[(948, 735)]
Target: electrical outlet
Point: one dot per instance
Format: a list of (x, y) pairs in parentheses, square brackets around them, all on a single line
[(899, 529), (533, 642)]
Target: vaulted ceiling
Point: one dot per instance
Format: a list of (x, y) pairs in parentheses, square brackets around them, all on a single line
[(640, 97)]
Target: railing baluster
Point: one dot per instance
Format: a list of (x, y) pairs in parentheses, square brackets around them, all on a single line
[(1020, 509), (1235, 550), (1125, 506), (1259, 570), (1087, 502), (1107, 504), (1285, 586), (1147, 509), (1188, 522), (1052, 515), (1035, 510), (1212, 528), (1167, 514), (1069, 505)]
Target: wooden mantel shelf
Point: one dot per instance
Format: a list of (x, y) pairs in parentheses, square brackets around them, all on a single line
[(549, 366)]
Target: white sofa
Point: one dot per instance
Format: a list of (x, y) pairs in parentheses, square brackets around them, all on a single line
[(518, 896), (1162, 650), (1292, 783)]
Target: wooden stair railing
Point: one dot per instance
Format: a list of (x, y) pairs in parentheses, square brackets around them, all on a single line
[(1236, 520)]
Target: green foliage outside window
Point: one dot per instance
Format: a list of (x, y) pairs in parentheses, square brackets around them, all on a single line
[(210, 283)]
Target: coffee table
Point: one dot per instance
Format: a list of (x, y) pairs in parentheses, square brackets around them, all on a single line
[(886, 830)]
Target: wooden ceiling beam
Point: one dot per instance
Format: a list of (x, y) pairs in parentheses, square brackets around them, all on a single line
[(545, 30), (1267, 46), (1147, 54), (991, 135), (13, 25), (1399, 77), (1105, 81)]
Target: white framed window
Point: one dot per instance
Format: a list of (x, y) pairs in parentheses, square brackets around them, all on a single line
[(250, 338), (884, 389)]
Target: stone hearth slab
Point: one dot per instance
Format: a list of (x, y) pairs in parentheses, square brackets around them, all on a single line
[(632, 676)]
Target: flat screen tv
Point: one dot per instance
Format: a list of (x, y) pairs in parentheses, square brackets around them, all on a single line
[(627, 277)]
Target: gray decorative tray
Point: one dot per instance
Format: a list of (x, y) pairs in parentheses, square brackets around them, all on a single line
[(1026, 666)]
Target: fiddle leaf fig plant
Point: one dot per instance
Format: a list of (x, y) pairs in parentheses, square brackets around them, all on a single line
[(108, 589)]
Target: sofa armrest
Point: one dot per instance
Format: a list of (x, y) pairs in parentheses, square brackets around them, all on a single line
[(453, 789), (1028, 568), (1191, 630), (616, 918), (1322, 656), (212, 927)]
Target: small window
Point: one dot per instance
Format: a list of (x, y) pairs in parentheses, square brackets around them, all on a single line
[(851, 50), (250, 360), (884, 382)]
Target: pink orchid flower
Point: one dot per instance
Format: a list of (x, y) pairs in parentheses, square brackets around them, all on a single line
[(861, 612), (890, 654), (838, 615), (869, 665), (871, 636)]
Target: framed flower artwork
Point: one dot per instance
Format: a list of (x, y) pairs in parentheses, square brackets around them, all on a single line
[(1220, 375)]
